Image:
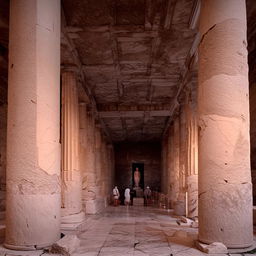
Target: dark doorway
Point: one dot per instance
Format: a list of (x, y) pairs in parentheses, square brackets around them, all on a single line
[(140, 166)]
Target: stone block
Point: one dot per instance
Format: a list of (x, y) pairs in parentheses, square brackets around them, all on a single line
[(214, 248), (66, 246), (179, 208)]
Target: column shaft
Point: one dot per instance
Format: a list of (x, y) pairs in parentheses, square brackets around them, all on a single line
[(225, 190), (170, 166), (176, 159), (71, 175), (180, 204), (164, 177), (182, 155), (33, 149), (192, 161), (84, 150)]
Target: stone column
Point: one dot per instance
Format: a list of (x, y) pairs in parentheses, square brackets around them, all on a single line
[(176, 159), (33, 149), (180, 206), (225, 190), (164, 173), (192, 161), (99, 145), (71, 175), (112, 169), (84, 149), (170, 167), (89, 187)]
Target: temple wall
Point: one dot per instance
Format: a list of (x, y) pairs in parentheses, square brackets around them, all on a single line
[(147, 153)]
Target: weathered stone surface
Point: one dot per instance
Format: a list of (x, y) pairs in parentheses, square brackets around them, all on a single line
[(214, 248), (71, 173), (137, 60), (33, 129), (223, 104), (66, 246), (180, 233)]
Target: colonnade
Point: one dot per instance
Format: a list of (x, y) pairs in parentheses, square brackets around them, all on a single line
[(52, 177), (206, 151), (56, 153)]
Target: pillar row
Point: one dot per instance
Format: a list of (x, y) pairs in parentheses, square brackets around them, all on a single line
[(33, 149), (225, 189), (71, 175)]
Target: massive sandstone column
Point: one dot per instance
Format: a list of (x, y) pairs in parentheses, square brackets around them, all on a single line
[(164, 173), (170, 166), (225, 190), (71, 175), (176, 160), (99, 145), (180, 205), (84, 149), (192, 160), (33, 149)]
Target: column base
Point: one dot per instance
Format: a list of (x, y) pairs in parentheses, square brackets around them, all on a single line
[(26, 247), (95, 206), (179, 208), (72, 222), (243, 247), (73, 218)]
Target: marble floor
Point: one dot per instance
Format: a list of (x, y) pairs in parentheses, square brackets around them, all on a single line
[(137, 231), (131, 231)]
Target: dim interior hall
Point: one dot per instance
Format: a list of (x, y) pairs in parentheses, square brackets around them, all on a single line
[(145, 95)]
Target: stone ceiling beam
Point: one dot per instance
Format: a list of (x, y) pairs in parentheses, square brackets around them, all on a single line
[(144, 107), (134, 114)]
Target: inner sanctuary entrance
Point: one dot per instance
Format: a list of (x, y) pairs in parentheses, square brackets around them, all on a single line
[(127, 127)]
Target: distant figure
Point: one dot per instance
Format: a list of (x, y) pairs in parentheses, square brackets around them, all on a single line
[(132, 194), (147, 196), (116, 195), (136, 177), (127, 196)]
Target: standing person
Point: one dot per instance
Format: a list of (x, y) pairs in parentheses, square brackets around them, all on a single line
[(147, 196), (127, 196), (132, 195), (116, 195)]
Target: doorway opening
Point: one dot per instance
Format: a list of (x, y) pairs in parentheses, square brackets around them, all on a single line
[(140, 167)]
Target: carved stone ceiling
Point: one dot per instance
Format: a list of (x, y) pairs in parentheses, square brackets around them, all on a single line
[(133, 54)]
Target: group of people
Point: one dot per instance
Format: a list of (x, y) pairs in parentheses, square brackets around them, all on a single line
[(129, 194)]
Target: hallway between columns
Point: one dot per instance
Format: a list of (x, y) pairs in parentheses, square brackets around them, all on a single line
[(139, 231), (135, 231), (132, 231)]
